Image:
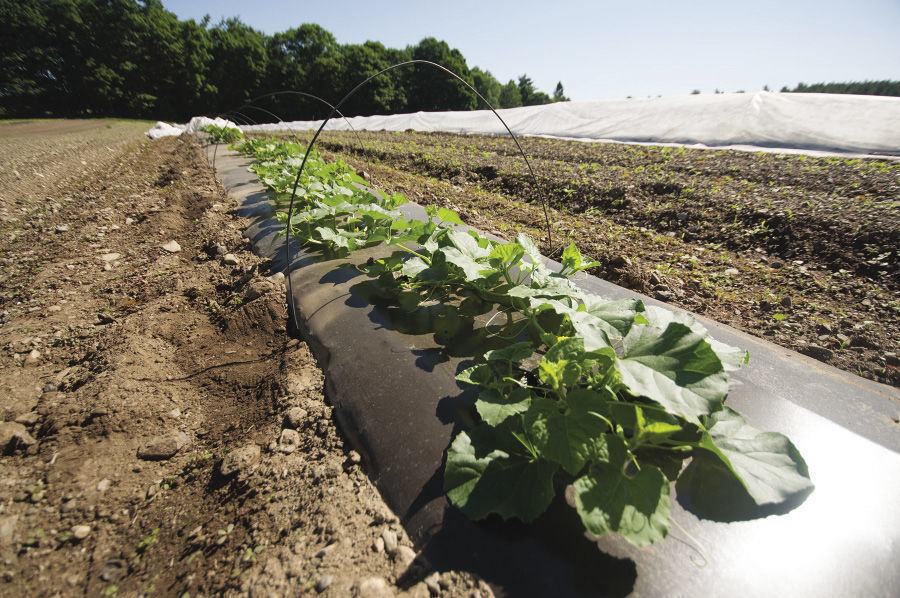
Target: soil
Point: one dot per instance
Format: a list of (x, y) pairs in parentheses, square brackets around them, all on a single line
[(161, 433), (801, 251)]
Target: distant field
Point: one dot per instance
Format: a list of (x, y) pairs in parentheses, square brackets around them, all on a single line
[(40, 156)]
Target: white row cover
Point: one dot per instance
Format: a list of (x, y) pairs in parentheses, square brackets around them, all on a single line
[(162, 129), (805, 121)]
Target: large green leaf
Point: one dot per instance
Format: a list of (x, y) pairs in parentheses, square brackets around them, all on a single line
[(553, 287), (570, 438), (767, 464), (573, 261), (515, 352), (413, 266), (340, 240), (618, 314), (449, 216), (467, 244), (470, 268), (507, 253), (732, 358), (675, 367), (494, 407), (477, 375), (608, 500), (480, 483), (596, 332)]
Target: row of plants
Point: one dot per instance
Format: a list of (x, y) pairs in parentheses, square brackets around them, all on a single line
[(608, 401)]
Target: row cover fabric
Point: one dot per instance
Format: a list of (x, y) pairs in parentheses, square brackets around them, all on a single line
[(809, 121), (162, 129)]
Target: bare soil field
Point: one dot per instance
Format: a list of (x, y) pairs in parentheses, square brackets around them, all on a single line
[(801, 251), (161, 434)]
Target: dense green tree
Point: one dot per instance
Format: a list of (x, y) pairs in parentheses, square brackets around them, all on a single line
[(559, 94), (510, 97), (306, 59), (134, 58), (530, 95), (487, 86), (238, 66), (28, 70), (428, 88), (378, 96), (872, 88)]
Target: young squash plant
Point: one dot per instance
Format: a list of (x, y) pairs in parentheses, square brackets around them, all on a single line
[(219, 134), (606, 399)]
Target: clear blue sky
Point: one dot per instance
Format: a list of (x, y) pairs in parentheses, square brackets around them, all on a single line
[(612, 49)]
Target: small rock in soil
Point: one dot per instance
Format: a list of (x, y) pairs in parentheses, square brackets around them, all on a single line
[(390, 541), (230, 260), (620, 261), (818, 352), (257, 288), (113, 570), (8, 528), (432, 583), (163, 447), (80, 532), (289, 441), (62, 228), (172, 247), (103, 485), (220, 249), (110, 257), (28, 419), (859, 340), (34, 358), (405, 556), (324, 583), (373, 587), (786, 302), (14, 436), (295, 417), (240, 460), (732, 272)]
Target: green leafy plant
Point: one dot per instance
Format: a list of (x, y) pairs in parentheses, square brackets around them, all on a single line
[(609, 399), (219, 134)]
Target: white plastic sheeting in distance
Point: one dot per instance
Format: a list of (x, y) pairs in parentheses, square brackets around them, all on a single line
[(812, 121), (162, 129)]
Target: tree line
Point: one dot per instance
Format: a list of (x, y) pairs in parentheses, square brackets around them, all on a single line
[(130, 58), (867, 88)]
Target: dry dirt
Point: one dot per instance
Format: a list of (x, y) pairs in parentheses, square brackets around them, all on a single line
[(161, 433)]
